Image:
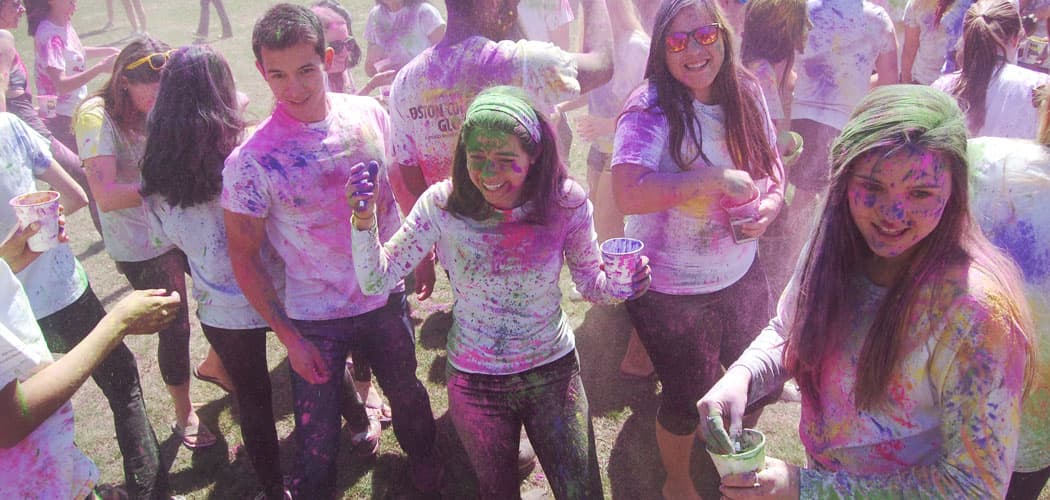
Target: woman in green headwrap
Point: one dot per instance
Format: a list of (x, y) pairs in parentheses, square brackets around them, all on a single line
[(503, 226), (907, 331)]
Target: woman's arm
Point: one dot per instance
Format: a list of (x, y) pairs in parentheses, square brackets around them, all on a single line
[(594, 65), (373, 54), (91, 52), (73, 197), (908, 53), (25, 405), (69, 83), (110, 194)]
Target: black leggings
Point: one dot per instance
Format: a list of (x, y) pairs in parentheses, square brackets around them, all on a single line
[(167, 271), (243, 354), (118, 377)]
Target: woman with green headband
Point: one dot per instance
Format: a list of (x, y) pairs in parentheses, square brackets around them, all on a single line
[(503, 226), (906, 329)]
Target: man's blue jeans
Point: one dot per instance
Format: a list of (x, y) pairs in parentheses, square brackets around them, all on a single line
[(386, 339)]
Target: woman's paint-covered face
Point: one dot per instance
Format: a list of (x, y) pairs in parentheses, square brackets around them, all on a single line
[(497, 165), (697, 65), (143, 96), (898, 200)]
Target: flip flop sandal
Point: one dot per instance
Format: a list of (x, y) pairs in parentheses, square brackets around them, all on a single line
[(366, 444), (211, 380), (194, 437), (383, 413)]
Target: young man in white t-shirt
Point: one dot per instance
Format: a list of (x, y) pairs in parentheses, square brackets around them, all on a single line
[(285, 184)]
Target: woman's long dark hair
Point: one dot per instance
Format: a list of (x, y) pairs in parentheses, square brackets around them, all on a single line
[(733, 88), (36, 11), (339, 10), (194, 126), (988, 30), (544, 187)]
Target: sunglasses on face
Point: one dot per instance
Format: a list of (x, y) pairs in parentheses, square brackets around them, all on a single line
[(156, 60), (704, 35), (341, 45)]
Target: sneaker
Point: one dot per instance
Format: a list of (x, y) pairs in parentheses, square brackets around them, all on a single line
[(427, 474)]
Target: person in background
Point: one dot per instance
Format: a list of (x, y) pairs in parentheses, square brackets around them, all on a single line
[(17, 98), (284, 185), (774, 31), (547, 20), (201, 35), (929, 27), (693, 145), (1010, 180), (397, 31), (997, 94), (903, 325), (61, 64), (851, 47)]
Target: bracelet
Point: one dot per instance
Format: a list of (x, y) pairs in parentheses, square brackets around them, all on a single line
[(354, 218)]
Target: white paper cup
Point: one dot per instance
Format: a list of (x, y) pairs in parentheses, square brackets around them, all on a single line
[(751, 458), (42, 207), (621, 256)]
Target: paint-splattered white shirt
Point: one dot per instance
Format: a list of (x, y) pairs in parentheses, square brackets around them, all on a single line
[(834, 71), (293, 175), (55, 279), (1008, 105), (46, 463), (59, 47), (949, 426), (690, 246), (200, 233), (430, 95), (402, 34), (504, 274), (1010, 183), (125, 231)]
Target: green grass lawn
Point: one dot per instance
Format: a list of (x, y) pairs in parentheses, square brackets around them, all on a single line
[(623, 411)]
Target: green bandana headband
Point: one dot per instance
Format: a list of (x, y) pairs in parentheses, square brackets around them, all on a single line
[(500, 105)]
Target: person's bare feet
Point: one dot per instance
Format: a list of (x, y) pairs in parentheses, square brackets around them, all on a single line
[(636, 362)]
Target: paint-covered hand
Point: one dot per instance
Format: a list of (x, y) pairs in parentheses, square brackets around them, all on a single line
[(144, 312), (592, 128), (726, 400), (738, 186), (360, 193), (768, 209), (641, 279), (306, 360), (779, 480)]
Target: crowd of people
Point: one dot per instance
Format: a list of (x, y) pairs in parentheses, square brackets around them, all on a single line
[(828, 191)]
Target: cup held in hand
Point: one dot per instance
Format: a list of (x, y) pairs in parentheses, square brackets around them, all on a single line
[(621, 257), (749, 457), (41, 207)]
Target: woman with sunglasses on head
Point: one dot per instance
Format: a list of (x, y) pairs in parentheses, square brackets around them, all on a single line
[(694, 147), (907, 330), (194, 125), (111, 133), (995, 92)]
